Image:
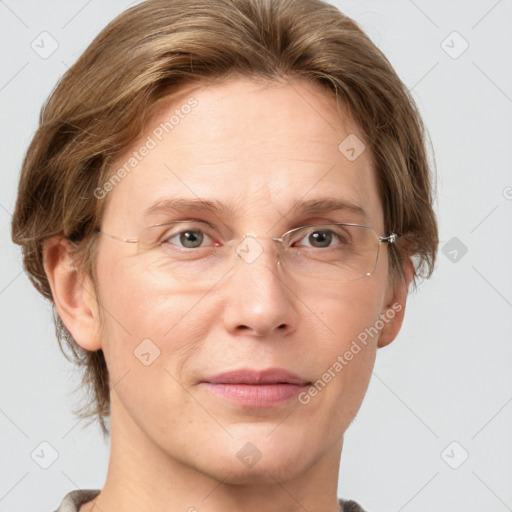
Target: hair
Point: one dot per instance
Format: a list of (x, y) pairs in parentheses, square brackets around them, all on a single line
[(155, 50)]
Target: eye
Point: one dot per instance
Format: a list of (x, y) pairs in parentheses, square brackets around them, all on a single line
[(190, 238), (322, 238)]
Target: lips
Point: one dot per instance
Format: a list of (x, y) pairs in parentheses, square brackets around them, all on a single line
[(254, 377), (256, 388)]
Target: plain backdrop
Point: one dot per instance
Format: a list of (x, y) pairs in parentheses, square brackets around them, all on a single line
[(434, 431)]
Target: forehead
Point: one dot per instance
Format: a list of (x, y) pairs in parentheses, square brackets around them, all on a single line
[(256, 150)]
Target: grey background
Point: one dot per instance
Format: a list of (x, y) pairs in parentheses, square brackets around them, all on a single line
[(447, 377)]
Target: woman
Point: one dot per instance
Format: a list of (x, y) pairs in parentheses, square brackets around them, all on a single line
[(223, 205)]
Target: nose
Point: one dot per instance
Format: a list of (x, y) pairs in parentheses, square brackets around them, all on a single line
[(259, 298)]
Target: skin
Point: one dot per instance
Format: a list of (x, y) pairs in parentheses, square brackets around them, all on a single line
[(174, 444)]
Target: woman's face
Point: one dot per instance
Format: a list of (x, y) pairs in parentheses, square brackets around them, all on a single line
[(260, 151)]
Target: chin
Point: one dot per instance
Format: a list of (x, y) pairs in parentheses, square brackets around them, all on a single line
[(253, 459), (265, 471)]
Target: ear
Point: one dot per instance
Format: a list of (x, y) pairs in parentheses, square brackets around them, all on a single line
[(73, 293), (393, 314)]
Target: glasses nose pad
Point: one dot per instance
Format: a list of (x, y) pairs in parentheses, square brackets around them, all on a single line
[(279, 253)]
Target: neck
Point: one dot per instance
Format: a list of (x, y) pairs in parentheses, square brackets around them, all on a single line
[(142, 476)]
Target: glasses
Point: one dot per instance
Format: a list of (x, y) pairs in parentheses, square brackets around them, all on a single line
[(201, 252)]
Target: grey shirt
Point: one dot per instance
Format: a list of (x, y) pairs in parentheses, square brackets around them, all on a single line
[(75, 499)]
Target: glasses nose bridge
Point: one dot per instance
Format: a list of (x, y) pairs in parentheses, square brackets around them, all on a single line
[(250, 247)]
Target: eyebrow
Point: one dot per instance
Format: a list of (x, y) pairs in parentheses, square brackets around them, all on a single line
[(310, 207)]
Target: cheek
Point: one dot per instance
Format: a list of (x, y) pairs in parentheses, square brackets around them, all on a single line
[(345, 355), (150, 331), (348, 311), (143, 314)]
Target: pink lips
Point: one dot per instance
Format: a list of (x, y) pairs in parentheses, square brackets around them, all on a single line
[(254, 388)]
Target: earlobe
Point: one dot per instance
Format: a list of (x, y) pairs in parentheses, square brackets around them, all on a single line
[(73, 293), (393, 313)]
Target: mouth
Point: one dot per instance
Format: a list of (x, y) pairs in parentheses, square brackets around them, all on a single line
[(256, 388)]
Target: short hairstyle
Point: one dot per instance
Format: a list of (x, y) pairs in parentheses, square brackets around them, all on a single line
[(155, 50)]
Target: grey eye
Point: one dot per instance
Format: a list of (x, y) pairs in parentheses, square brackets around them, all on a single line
[(187, 239), (320, 238)]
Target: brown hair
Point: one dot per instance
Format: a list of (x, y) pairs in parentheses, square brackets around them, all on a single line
[(154, 50)]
